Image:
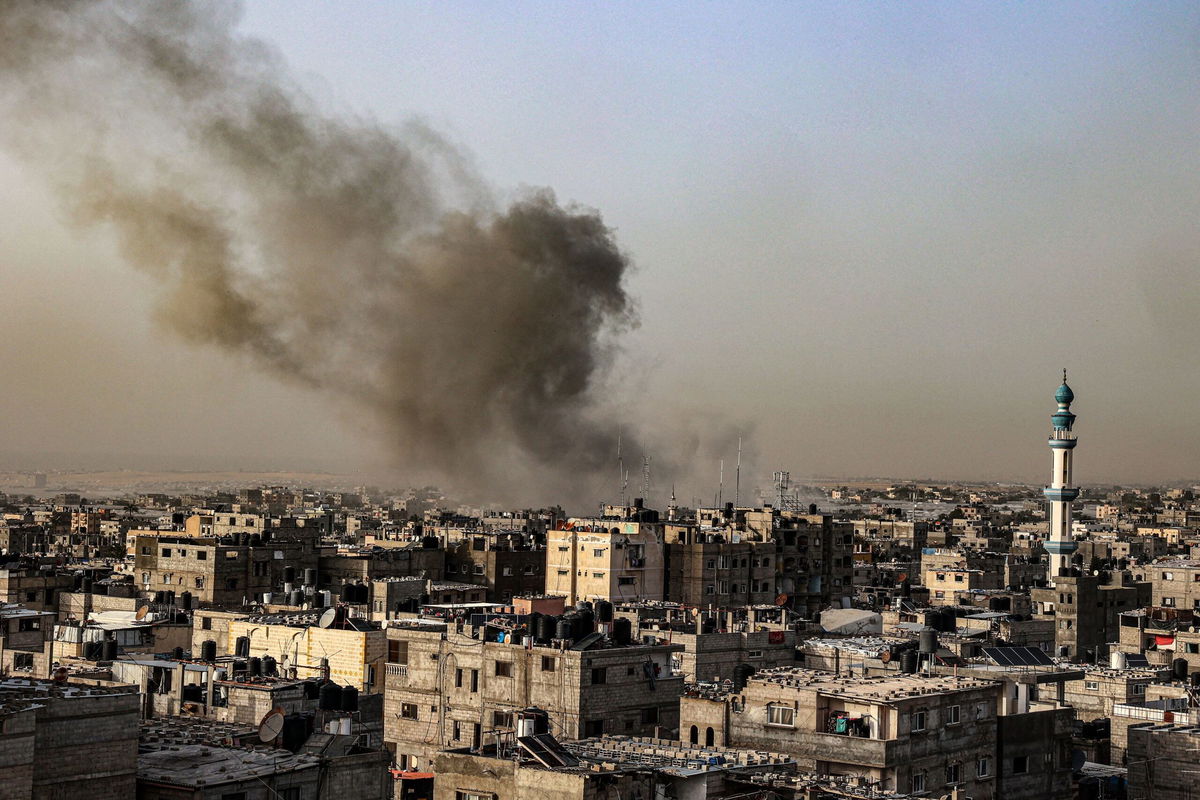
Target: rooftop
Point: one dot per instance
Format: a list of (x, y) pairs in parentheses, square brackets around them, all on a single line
[(889, 688), (197, 765)]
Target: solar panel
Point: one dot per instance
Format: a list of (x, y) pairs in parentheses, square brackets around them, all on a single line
[(1017, 656), (546, 750), (1136, 660)]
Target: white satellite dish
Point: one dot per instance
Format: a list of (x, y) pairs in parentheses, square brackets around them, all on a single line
[(271, 726), (327, 617)]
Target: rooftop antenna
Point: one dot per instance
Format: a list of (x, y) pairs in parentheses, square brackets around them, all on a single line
[(621, 479), (783, 481), (737, 481), (721, 486), (645, 476)]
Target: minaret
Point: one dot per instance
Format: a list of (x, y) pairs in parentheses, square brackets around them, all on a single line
[(1061, 544)]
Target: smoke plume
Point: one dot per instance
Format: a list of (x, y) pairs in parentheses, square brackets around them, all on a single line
[(334, 252)]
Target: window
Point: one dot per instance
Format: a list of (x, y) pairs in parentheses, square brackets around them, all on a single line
[(1138, 688), (34, 624), (458, 678), (983, 768), (1168, 601), (202, 555), (166, 552), (783, 716), (1168, 576), (206, 624), (474, 680), (599, 675), (292, 793), (502, 719), (624, 581), (548, 663), (408, 710), (918, 782), (710, 589), (593, 727), (918, 721), (503, 669), (1091, 686), (145, 550), (23, 661), (958, 578), (754, 654), (723, 587), (478, 569), (710, 563), (650, 715), (461, 795), (598, 552), (953, 773), (1020, 765), (397, 651), (529, 569), (507, 572), (952, 715)]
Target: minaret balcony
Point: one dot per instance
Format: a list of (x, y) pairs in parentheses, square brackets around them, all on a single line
[(1060, 494)]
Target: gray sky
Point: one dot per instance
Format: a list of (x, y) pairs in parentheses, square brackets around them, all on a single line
[(866, 236)]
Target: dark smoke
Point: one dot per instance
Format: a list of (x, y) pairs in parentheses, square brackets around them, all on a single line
[(332, 251)]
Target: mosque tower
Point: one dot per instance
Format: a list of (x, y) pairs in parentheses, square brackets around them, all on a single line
[(1061, 544)]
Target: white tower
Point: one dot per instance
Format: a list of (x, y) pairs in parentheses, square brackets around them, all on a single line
[(1060, 494)]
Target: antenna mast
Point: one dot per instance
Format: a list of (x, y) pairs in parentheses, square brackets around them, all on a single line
[(646, 477), (737, 481), (620, 468), (721, 486)]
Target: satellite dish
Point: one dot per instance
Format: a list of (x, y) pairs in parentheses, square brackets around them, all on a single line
[(271, 726), (1077, 760), (141, 613), (327, 617), (885, 656), (781, 600), (902, 577)]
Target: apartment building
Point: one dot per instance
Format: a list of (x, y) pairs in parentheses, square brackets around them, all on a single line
[(603, 558), (905, 733), (446, 688)]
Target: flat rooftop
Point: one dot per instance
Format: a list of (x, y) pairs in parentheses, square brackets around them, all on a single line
[(198, 765), (883, 688)]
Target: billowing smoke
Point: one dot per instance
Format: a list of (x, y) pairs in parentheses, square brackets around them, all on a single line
[(336, 253)]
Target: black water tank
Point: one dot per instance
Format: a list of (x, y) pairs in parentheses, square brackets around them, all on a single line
[(110, 650), (431, 542), (93, 651), (583, 605), (270, 666), (622, 632), (255, 666), (347, 593), (604, 611), (312, 690), (331, 697), (741, 674), (929, 640), (289, 574), (1179, 669), (296, 597), (349, 698), (240, 666), (562, 628), (185, 601), (909, 661), (242, 647), (310, 577), (296, 729), (545, 628), (709, 625), (177, 653), (160, 597), (318, 600), (193, 693), (86, 584), (208, 650), (362, 593), (587, 622), (169, 597)]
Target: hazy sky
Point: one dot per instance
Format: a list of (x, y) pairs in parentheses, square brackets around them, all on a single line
[(866, 236)]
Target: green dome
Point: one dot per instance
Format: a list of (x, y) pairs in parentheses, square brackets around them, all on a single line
[(1064, 395)]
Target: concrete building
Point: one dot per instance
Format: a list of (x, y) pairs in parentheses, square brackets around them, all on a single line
[(446, 688), (1086, 610), (1161, 760), (607, 558), (1100, 689), (502, 562), (610, 766), (906, 733), (67, 740)]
